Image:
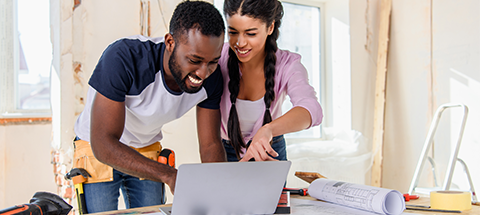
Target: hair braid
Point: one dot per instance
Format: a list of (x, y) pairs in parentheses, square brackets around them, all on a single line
[(269, 70), (269, 11), (233, 126), (270, 62)]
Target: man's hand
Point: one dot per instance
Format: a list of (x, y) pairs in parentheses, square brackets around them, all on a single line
[(171, 180), (260, 147)]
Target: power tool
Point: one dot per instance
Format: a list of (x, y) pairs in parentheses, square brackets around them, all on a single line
[(42, 203), (167, 156)]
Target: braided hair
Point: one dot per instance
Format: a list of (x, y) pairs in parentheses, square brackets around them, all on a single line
[(269, 11)]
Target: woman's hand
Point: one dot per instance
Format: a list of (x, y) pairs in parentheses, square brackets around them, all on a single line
[(260, 147)]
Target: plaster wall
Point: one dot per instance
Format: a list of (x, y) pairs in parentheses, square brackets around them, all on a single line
[(25, 163), (3, 161), (432, 59), (407, 112), (456, 79)]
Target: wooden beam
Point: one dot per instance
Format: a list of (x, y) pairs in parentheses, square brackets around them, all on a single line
[(25, 121), (380, 87)]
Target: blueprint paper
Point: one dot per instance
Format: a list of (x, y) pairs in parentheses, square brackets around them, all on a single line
[(368, 198), (309, 207)]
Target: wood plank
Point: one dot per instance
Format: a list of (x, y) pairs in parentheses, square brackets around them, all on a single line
[(380, 88), (309, 177), (23, 121)]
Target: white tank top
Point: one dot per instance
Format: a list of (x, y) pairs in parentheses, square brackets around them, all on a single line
[(248, 113)]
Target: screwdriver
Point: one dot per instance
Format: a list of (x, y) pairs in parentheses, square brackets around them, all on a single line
[(301, 191)]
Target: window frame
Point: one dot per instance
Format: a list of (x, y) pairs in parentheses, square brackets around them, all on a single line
[(335, 65), (322, 69), (10, 69)]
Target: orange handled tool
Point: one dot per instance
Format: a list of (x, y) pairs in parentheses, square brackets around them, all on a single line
[(167, 156), (299, 191), (78, 176), (42, 203), (408, 197)]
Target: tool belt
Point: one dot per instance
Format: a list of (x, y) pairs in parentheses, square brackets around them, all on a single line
[(100, 172)]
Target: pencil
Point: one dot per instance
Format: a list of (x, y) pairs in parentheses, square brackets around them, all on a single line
[(419, 206), (433, 210)]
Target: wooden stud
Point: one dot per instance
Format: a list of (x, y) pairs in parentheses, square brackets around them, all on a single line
[(380, 87)]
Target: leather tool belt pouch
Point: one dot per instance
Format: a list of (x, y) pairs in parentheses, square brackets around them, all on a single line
[(100, 172)]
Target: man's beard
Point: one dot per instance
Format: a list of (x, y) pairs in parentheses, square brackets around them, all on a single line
[(177, 74)]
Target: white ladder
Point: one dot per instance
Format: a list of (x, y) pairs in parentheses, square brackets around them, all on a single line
[(453, 156)]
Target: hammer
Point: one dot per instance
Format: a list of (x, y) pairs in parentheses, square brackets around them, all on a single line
[(79, 175)]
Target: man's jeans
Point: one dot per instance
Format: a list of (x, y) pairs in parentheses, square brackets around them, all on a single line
[(103, 196), (278, 144)]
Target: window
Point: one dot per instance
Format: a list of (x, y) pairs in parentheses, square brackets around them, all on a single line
[(26, 55), (300, 33)]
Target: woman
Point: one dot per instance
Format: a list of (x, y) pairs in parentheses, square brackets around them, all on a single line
[(257, 78)]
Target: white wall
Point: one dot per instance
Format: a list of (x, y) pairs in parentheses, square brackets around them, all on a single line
[(407, 112), (456, 78), (3, 161), (433, 59), (25, 163)]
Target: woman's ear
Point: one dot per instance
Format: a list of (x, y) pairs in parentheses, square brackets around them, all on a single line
[(169, 42), (270, 28)]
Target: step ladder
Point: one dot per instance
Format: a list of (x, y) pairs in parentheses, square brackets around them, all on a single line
[(453, 156)]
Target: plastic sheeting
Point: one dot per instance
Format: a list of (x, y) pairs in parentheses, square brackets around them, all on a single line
[(343, 156)]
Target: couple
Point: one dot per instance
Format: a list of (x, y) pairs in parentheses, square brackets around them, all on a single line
[(238, 88)]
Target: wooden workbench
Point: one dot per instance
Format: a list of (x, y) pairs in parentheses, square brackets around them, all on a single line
[(421, 201), (425, 200)]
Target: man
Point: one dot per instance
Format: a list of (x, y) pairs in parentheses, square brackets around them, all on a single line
[(138, 85)]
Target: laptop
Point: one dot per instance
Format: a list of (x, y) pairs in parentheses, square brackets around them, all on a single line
[(228, 188)]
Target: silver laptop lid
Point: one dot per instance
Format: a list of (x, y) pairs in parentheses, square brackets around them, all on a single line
[(229, 188)]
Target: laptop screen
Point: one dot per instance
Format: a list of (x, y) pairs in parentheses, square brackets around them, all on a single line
[(229, 188)]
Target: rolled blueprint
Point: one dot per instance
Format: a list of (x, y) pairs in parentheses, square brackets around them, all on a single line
[(364, 197)]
